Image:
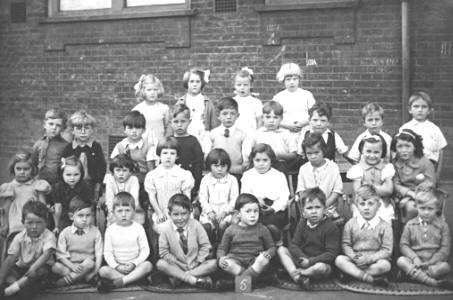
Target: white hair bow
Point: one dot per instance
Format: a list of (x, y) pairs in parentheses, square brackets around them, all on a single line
[(138, 85), (206, 75), (250, 71)]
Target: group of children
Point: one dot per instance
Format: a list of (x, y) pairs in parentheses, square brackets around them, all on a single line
[(231, 218)]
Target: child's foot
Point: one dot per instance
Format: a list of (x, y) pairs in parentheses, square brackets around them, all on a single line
[(304, 282), (204, 283), (446, 284), (105, 285), (224, 285), (381, 281), (344, 278), (174, 282)]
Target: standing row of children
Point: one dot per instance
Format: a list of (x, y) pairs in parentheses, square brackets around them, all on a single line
[(144, 164)]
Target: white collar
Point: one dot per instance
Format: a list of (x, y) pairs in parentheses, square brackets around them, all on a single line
[(137, 145), (76, 144), (373, 222), (214, 181), (74, 229)]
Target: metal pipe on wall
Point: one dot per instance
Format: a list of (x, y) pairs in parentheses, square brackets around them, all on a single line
[(405, 59)]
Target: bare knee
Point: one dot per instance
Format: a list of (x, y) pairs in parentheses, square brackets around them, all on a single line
[(104, 271), (282, 251), (341, 260), (88, 264), (162, 265), (147, 266), (322, 268)]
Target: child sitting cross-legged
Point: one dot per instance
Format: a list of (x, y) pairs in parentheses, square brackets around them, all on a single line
[(79, 247), (29, 254), (367, 244), (184, 246), (247, 247), (315, 244), (126, 247), (425, 242)]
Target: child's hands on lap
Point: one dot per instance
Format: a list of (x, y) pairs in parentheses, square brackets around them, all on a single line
[(161, 217), (124, 268), (223, 263), (304, 262), (77, 268)]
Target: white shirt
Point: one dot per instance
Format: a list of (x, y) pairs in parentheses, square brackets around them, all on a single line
[(197, 106), (112, 187), (271, 185), (295, 105), (280, 140), (326, 177), (150, 155), (250, 108), (354, 153), (372, 223), (433, 138)]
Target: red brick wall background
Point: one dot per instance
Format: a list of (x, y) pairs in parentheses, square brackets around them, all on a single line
[(94, 65)]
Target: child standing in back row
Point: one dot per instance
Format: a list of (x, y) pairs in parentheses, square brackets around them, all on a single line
[(202, 110), (420, 106), (295, 101), (48, 151), (148, 90), (249, 107)]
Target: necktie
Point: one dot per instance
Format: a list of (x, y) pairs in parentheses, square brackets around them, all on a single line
[(183, 239), (79, 231), (227, 132)]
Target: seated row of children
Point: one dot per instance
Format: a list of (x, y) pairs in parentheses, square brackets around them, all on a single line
[(246, 249)]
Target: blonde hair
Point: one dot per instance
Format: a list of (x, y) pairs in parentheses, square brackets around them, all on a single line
[(148, 79), (288, 69), (56, 114), (81, 117)]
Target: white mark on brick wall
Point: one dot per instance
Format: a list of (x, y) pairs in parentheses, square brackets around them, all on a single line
[(280, 53), (445, 48), (310, 61), (272, 29), (389, 61)]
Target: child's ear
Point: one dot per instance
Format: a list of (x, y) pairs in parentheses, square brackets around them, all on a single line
[(71, 216)]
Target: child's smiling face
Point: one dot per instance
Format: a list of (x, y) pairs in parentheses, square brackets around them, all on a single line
[(372, 153), (179, 215)]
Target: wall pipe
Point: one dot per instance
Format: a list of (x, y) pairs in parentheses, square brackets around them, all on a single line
[(405, 60)]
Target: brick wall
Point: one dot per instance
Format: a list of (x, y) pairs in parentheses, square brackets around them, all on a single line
[(354, 56)]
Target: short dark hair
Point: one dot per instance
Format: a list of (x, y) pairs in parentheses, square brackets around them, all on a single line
[(134, 119), (179, 200), (409, 135), (123, 199), (122, 161), (227, 103), (312, 139), (373, 139), (35, 207), (312, 194), (322, 108), (167, 143), (244, 199), (273, 106), (77, 203), (199, 72), (218, 155), (262, 148), (180, 108)]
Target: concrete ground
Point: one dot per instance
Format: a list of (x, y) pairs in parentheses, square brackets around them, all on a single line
[(264, 294)]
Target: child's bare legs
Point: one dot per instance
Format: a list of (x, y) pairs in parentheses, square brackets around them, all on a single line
[(120, 279), (428, 276), (205, 268), (68, 276), (257, 267), (231, 266)]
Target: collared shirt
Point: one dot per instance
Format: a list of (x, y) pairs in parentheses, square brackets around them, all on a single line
[(371, 223), (47, 155), (74, 229), (432, 137), (28, 250), (162, 183), (76, 144), (218, 194), (250, 108), (281, 140), (295, 105), (150, 155), (326, 177), (184, 232)]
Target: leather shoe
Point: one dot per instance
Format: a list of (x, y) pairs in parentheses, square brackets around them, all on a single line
[(204, 283)]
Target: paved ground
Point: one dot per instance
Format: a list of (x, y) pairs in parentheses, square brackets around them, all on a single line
[(267, 293)]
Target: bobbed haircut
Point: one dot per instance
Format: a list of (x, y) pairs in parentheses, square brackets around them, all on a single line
[(196, 71), (288, 69), (167, 143), (71, 161), (134, 119), (122, 161), (217, 156), (179, 200), (262, 148), (312, 139), (410, 136), (374, 139), (123, 199), (22, 156)]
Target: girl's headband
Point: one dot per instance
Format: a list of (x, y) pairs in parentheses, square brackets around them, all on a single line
[(407, 133)]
